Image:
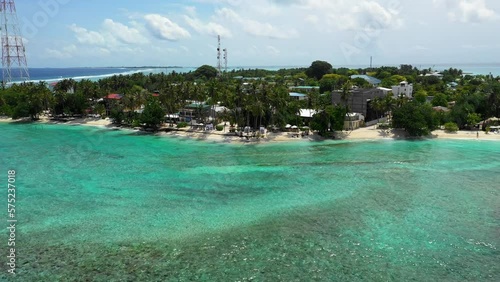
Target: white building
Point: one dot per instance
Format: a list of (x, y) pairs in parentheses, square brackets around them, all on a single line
[(404, 88)]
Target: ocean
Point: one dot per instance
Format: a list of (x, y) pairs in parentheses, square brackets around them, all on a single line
[(55, 74), (94, 204)]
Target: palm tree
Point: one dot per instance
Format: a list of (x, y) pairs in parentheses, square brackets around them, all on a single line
[(345, 94), (378, 105)]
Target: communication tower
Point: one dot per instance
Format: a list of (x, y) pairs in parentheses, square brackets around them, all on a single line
[(225, 60), (219, 62), (13, 52)]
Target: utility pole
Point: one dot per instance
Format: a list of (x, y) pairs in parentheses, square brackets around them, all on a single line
[(13, 52), (219, 62)]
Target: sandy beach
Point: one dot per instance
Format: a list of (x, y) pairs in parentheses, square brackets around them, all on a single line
[(367, 133)]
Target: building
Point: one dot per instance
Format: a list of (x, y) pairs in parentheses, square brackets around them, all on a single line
[(403, 89), (435, 74), (359, 101), (303, 89), (353, 121), (298, 96)]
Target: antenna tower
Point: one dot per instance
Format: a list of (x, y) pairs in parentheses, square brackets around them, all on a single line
[(219, 62), (225, 60), (13, 51)]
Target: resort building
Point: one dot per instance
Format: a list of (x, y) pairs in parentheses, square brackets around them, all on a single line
[(359, 101), (110, 101), (403, 89)]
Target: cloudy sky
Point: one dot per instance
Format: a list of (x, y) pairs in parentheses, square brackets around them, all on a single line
[(72, 33)]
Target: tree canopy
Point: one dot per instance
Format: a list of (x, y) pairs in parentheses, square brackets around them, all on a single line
[(318, 69), (416, 118), (205, 72)]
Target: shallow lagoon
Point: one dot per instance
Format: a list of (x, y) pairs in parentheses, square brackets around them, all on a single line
[(107, 205)]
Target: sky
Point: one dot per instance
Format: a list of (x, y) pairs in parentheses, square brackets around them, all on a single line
[(96, 33)]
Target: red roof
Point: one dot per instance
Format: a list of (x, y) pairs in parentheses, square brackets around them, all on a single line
[(156, 95), (114, 96)]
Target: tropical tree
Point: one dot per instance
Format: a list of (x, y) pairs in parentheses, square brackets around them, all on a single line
[(205, 72), (318, 69), (346, 94), (153, 114), (440, 99), (416, 118)]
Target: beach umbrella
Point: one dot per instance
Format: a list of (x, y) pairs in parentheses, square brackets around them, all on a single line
[(295, 127), (288, 126)]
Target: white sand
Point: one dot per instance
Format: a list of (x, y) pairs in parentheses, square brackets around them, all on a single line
[(368, 133), (371, 133)]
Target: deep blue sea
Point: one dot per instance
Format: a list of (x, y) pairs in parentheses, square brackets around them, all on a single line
[(55, 74)]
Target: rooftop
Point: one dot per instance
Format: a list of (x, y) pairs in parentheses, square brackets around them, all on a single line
[(114, 97), (304, 87), (295, 94), (370, 79)]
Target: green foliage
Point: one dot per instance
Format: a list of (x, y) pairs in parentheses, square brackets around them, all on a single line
[(330, 82), (392, 80), (330, 119), (21, 111), (24, 100), (219, 127), (153, 114), (440, 100), (360, 82), (205, 72), (421, 96), (473, 119), (318, 69), (136, 123), (117, 115), (416, 118), (182, 125), (100, 109), (450, 127)]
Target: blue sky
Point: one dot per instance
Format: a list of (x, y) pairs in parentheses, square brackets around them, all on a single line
[(73, 33)]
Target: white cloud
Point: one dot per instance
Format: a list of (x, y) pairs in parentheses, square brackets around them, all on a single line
[(164, 29), (112, 34), (349, 15), (479, 47), (72, 51), (123, 33), (468, 11), (256, 28), (273, 50), (85, 36), (66, 52), (209, 28), (420, 48)]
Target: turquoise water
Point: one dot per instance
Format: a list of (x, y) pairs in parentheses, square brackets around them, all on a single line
[(101, 205)]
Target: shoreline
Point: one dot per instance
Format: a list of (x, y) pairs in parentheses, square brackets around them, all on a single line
[(361, 134)]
